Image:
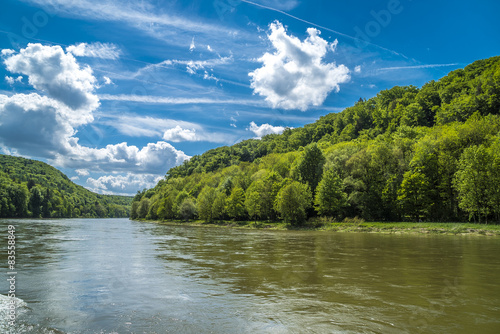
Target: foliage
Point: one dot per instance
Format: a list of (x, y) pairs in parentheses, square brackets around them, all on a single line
[(477, 181), (236, 203), (330, 197), (408, 153), (187, 209), (310, 166), (292, 202), (30, 188)]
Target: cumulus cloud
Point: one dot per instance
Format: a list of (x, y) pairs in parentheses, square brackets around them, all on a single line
[(357, 69), (82, 172), (154, 158), (56, 73), (11, 80), (95, 50), (42, 125), (294, 76), (122, 184), (265, 129), (35, 125), (45, 125), (179, 134), (7, 52)]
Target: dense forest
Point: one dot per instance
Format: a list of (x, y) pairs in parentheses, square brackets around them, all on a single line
[(30, 188), (407, 154)]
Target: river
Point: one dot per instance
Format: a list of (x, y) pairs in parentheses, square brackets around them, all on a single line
[(122, 276)]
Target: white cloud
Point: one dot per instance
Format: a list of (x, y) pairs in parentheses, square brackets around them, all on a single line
[(192, 66), (265, 129), (140, 126), (57, 73), (127, 184), (95, 50), (12, 80), (207, 76), (74, 178), (179, 134), (357, 69), (107, 81), (35, 125), (192, 46), (279, 4), (45, 126), (144, 126), (142, 15), (82, 172), (174, 100), (7, 52), (396, 68), (209, 48), (294, 76), (154, 158)]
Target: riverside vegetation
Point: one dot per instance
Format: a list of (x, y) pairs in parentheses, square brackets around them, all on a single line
[(30, 188), (407, 154)]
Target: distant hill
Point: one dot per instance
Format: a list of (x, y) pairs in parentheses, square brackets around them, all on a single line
[(409, 153), (30, 188)]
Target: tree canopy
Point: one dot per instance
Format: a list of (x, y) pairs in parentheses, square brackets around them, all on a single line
[(30, 188), (408, 153)]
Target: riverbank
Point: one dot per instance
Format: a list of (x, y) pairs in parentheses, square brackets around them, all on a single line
[(367, 227)]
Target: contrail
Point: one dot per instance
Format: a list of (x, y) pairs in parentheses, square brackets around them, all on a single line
[(324, 28), (414, 67)]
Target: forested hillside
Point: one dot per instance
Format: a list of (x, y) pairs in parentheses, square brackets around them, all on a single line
[(429, 153), (30, 188)]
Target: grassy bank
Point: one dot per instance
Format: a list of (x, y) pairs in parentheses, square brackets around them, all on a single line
[(367, 227)]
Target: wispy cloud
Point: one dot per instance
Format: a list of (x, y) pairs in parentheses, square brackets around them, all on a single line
[(169, 129), (142, 15), (323, 27), (397, 68), (175, 100), (191, 65), (95, 50)]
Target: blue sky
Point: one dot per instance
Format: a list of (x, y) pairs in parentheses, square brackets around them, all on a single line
[(114, 93)]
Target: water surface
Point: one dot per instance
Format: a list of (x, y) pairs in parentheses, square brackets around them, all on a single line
[(121, 276)]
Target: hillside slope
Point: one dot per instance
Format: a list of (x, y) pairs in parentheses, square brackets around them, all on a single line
[(430, 153), (30, 188)]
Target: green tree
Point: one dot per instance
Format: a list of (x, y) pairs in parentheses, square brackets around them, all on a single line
[(292, 202), (187, 209), (143, 209), (413, 194), (253, 201), (310, 166), (134, 210), (494, 196), (236, 203), (166, 208), (19, 197), (219, 205), (204, 203), (473, 182), (36, 200), (330, 197)]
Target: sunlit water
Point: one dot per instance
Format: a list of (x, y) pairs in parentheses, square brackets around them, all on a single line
[(121, 276)]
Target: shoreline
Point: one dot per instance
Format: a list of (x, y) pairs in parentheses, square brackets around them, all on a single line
[(363, 227)]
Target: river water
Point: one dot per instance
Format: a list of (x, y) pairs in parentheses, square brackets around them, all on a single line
[(121, 276)]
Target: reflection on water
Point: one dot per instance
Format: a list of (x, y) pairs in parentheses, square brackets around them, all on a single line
[(115, 275)]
